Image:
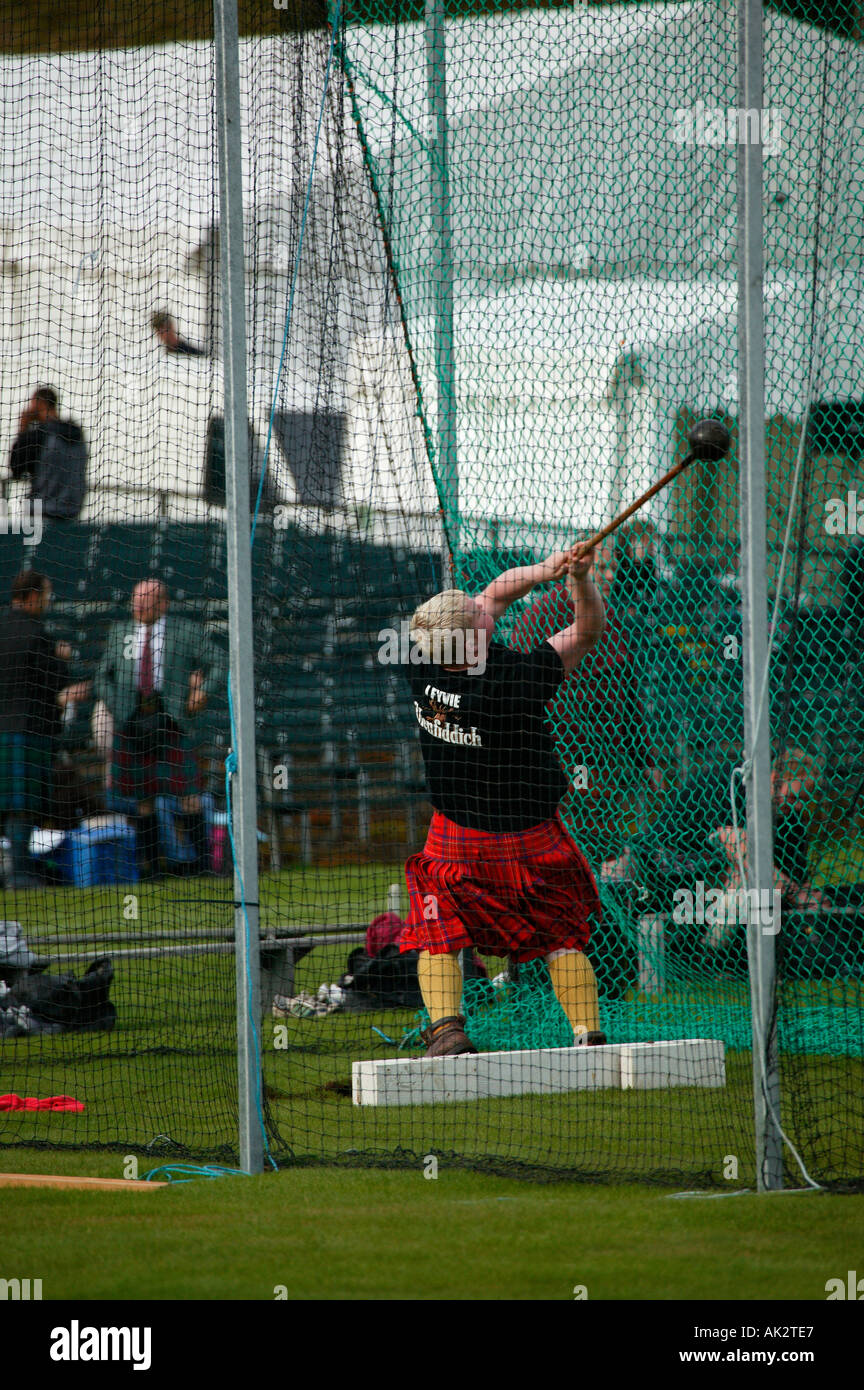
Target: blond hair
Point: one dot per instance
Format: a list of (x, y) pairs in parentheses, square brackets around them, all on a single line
[(437, 620)]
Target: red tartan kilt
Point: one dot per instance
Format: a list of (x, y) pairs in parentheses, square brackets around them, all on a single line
[(174, 772), (521, 894)]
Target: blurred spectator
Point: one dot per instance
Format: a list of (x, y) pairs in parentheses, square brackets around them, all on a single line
[(32, 679), (597, 712), (152, 679), (694, 840), (53, 454), (639, 569), (794, 798), (165, 329)]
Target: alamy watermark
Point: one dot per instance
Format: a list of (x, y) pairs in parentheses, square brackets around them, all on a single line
[(845, 516), (849, 1288), (728, 125), (24, 519), (440, 647), (77, 1343), (20, 1290), (725, 907)]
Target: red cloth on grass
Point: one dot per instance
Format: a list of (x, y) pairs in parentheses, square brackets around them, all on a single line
[(49, 1103), (521, 894)]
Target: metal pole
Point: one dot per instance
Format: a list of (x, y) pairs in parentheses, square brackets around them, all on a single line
[(239, 581), (442, 269), (757, 736)]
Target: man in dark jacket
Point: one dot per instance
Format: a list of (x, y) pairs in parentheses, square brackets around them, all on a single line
[(53, 454), (154, 678), (32, 676)]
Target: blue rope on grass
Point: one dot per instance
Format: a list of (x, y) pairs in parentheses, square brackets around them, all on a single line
[(192, 1172)]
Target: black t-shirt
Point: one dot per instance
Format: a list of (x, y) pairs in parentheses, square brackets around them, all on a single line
[(490, 758)]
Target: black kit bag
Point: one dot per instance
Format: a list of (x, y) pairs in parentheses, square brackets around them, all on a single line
[(75, 1005), (387, 980)]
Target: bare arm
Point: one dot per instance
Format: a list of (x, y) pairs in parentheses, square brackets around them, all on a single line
[(512, 584), (589, 624)]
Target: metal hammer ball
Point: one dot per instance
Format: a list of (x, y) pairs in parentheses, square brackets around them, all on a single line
[(708, 439)]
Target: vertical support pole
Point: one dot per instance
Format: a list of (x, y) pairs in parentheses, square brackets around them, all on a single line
[(246, 937), (442, 271), (651, 939), (622, 401), (757, 735), (442, 285)]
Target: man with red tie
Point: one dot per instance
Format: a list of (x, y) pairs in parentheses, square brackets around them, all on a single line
[(154, 677)]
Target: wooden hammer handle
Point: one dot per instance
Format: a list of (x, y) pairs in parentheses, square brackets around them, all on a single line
[(583, 546)]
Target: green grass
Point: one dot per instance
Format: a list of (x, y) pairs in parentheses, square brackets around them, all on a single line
[(384, 1235), (164, 1082), (169, 1070), (296, 897), (351, 1231), (169, 1066)]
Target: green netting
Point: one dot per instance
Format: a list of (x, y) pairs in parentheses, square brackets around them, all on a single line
[(524, 1013), (488, 294), (592, 243)]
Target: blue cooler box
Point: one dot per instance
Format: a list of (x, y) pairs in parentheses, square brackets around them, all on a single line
[(104, 854)]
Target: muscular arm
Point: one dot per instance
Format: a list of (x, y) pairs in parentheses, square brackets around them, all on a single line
[(497, 597), (589, 624)]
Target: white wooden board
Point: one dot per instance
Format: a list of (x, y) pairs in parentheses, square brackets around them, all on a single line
[(539, 1071)]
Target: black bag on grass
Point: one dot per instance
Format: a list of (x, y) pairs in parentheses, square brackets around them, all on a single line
[(75, 1005), (387, 980)]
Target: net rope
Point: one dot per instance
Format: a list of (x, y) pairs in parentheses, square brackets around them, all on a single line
[(589, 237)]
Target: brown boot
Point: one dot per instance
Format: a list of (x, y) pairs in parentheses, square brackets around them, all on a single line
[(447, 1038)]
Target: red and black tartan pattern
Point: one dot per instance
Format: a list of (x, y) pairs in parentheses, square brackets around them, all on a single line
[(173, 773), (521, 894)]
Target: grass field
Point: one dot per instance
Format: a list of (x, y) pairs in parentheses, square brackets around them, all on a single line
[(162, 1087), (379, 1235), (163, 1082)]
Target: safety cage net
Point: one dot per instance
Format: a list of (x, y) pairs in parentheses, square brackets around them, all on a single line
[(491, 284)]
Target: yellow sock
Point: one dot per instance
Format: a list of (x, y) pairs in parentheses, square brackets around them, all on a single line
[(440, 979), (575, 987)]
